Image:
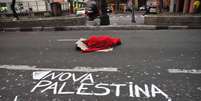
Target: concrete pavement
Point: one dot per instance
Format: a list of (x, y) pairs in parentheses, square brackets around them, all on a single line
[(120, 19)]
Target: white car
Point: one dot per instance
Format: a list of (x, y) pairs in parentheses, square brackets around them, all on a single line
[(153, 10), (142, 8), (81, 11)]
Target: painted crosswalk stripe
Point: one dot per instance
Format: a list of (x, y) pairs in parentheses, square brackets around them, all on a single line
[(15, 99), (75, 69), (67, 40), (184, 71)]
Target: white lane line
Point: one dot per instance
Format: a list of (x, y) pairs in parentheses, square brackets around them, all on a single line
[(15, 99), (37, 75), (169, 99), (75, 69), (71, 40), (185, 71)]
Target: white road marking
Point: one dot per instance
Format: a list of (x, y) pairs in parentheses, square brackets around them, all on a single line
[(75, 69), (105, 50), (71, 40), (15, 99), (37, 75), (185, 71), (169, 99)]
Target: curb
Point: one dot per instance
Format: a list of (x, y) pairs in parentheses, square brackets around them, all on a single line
[(120, 27)]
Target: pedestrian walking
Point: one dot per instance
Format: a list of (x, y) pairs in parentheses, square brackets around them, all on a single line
[(31, 14), (14, 11), (93, 12)]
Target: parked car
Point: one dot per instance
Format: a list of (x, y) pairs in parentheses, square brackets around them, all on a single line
[(81, 11), (152, 10), (142, 8)]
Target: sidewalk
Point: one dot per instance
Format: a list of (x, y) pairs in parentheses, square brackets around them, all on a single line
[(120, 19), (117, 22)]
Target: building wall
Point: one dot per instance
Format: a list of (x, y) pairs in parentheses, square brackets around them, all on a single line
[(191, 10), (36, 5), (181, 6)]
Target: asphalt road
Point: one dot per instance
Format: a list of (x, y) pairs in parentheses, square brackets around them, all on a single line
[(149, 65)]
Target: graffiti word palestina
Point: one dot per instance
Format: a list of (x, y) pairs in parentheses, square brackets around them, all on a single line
[(58, 85)]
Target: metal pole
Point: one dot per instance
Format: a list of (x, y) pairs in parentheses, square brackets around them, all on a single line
[(145, 6), (117, 6), (37, 6), (28, 5), (133, 13), (161, 5), (77, 6)]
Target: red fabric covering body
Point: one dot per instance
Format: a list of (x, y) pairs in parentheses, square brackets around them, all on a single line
[(95, 43)]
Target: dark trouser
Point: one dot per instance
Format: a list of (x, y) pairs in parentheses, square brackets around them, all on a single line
[(13, 9)]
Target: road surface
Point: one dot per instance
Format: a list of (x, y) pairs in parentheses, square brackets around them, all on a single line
[(149, 65)]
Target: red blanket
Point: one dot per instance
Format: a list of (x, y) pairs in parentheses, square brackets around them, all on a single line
[(95, 43)]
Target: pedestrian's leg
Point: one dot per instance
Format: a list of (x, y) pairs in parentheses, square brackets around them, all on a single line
[(13, 9)]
